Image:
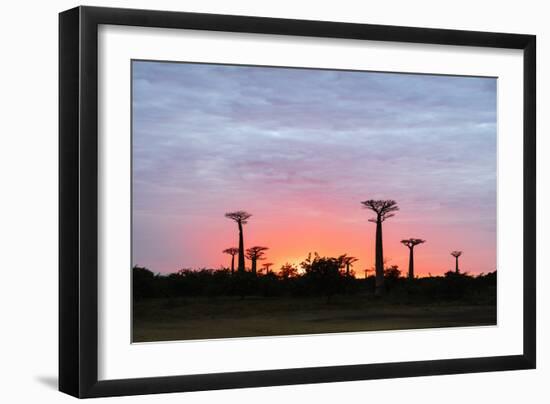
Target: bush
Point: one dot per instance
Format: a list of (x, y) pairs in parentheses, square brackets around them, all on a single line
[(323, 276)]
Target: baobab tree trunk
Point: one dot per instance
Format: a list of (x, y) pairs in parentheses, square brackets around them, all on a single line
[(232, 264), (379, 289), (411, 263), (254, 267), (241, 249), (456, 266)]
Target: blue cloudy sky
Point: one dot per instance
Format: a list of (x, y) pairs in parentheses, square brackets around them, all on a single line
[(299, 149)]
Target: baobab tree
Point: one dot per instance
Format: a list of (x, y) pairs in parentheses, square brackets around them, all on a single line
[(266, 266), (348, 262), (456, 254), (255, 254), (411, 243), (384, 209), (241, 218), (232, 251)]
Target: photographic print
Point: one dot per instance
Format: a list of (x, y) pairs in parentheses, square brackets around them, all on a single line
[(271, 201)]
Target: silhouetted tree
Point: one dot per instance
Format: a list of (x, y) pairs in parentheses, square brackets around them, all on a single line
[(324, 273), (255, 254), (411, 243), (266, 266), (456, 254), (142, 283), (392, 272), (288, 271), (392, 278), (324, 276), (384, 210), (232, 251), (348, 262), (240, 217)]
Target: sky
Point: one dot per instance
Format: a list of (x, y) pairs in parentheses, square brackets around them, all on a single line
[(300, 149)]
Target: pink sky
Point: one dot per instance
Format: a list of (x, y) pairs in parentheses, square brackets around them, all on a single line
[(299, 149)]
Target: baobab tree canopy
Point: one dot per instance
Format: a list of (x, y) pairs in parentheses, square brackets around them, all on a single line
[(411, 242), (239, 216), (231, 251), (267, 265), (383, 208), (256, 252)]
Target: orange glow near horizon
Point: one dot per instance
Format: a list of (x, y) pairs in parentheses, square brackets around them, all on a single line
[(291, 237)]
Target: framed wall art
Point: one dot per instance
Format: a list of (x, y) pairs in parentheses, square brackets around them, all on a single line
[(250, 201)]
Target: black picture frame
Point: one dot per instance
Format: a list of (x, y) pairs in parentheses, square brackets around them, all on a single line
[(78, 201)]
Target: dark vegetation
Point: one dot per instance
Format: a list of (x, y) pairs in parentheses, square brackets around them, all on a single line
[(209, 303), (319, 276)]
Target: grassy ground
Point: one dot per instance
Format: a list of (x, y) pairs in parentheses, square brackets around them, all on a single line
[(226, 317)]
